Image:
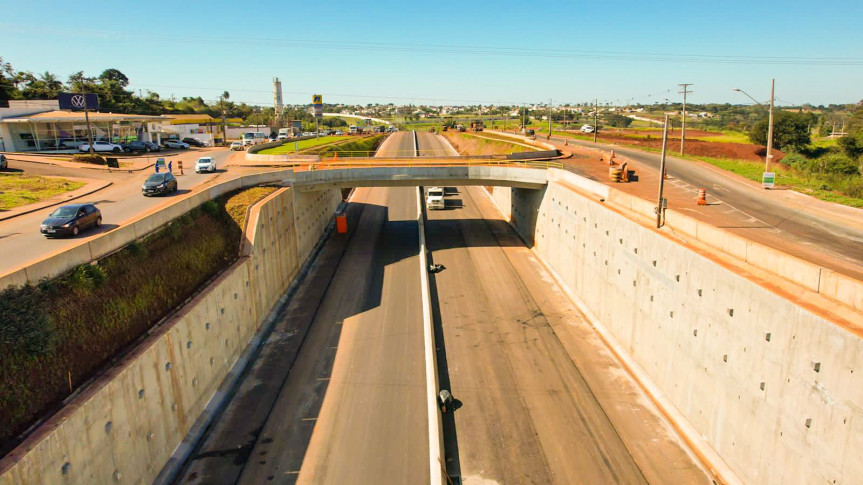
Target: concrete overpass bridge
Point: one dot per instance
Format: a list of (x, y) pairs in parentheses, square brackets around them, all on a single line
[(407, 173)]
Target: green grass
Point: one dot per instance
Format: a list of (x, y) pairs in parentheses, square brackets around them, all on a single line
[(65, 329), (17, 189), (353, 147), (291, 147)]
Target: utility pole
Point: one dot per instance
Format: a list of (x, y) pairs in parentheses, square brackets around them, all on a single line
[(683, 118), (595, 117), (523, 115), (549, 118), (659, 202), (770, 129)]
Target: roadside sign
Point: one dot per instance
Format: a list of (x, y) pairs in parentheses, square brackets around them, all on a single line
[(768, 179), (318, 105), (78, 101)]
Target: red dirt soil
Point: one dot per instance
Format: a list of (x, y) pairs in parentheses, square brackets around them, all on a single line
[(740, 151)]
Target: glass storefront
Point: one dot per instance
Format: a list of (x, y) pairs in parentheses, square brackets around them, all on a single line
[(47, 136)]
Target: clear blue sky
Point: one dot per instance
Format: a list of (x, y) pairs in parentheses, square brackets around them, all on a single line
[(451, 53)]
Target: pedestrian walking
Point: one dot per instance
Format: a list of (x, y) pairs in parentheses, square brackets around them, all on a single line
[(157, 166), (170, 166)]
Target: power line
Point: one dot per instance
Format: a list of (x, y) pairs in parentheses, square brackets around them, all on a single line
[(451, 49)]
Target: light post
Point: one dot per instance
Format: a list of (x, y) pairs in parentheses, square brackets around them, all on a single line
[(769, 123)]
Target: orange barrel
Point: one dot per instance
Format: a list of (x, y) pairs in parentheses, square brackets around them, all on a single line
[(614, 174), (702, 196), (341, 224)]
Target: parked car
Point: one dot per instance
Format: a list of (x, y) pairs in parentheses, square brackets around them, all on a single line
[(136, 146), (69, 220), (68, 143), (587, 128), (194, 142), (154, 147), (205, 164), (175, 144), (339, 133), (159, 183), (283, 136), (4, 164), (237, 145), (101, 146)]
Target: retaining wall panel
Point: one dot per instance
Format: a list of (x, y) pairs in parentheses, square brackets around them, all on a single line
[(57, 264), (690, 369)]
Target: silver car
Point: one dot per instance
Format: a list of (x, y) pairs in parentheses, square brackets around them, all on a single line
[(175, 144)]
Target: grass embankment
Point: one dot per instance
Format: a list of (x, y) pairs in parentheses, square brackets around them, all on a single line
[(468, 144), (56, 335), (17, 189), (300, 146), (359, 147)]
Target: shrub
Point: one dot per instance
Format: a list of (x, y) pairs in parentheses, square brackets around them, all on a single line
[(24, 325), (87, 158), (838, 164)]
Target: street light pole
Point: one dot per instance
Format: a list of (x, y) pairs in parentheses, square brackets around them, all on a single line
[(769, 122), (549, 118), (770, 130), (595, 116)]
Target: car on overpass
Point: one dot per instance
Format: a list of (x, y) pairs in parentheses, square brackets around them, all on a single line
[(159, 183), (69, 220)]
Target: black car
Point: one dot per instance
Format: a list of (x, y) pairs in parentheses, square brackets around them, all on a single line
[(159, 183), (68, 220), (193, 141), (4, 164), (136, 146)]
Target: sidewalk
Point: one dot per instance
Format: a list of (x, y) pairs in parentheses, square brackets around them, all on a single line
[(92, 186)]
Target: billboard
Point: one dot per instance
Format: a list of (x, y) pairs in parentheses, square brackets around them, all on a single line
[(318, 105), (78, 101)]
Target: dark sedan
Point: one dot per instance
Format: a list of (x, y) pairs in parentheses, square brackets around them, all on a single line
[(159, 183), (194, 142), (69, 220)]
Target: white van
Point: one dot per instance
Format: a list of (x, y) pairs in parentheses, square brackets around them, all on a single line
[(434, 198)]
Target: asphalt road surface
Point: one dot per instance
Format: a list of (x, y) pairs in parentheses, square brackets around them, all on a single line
[(350, 407), (530, 411), (118, 202), (823, 240)]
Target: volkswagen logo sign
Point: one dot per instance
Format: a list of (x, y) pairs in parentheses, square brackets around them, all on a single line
[(78, 101)]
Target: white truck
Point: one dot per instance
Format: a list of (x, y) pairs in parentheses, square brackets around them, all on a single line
[(434, 198)]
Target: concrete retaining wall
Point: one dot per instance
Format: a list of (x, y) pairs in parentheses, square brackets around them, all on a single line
[(125, 426), (775, 389), (59, 263)]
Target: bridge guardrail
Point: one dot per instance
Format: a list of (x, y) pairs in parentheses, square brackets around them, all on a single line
[(378, 162)]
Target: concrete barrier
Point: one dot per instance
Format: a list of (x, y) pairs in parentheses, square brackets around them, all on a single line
[(765, 379), (110, 241), (841, 288), (126, 424)]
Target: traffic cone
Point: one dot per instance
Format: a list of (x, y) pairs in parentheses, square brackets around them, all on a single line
[(335, 155), (702, 196)]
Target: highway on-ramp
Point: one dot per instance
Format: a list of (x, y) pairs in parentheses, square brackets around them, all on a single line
[(20, 239)]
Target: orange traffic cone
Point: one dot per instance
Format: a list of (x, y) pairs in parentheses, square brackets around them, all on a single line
[(702, 196), (335, 155)]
